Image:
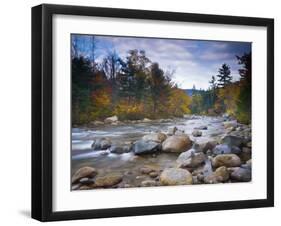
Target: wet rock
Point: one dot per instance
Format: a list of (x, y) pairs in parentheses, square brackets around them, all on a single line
[(101, 144), (88, 172), (228, 160), (241, 174), (120, 148), (175, 176), (96, 123), (146, 120), (222, 149), (177, 143), (153, 174), (246, 154), (145, 147), (220, 175), (146, 170), (75, 186), (86, 181), (179, 132), (148, 183), (201, 128), (209, 145), (156, 137), (229, 124), (172, 130), (111, 119), (85, 187), (249, 162), (108, 180), (232, 140), (197, 133), (191, 159)]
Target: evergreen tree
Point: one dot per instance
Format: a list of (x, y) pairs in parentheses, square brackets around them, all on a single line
[(224, 77)]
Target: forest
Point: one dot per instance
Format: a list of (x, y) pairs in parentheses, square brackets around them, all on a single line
[(135, 88)]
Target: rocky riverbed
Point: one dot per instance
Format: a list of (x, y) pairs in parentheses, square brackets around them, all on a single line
[(144, 153)]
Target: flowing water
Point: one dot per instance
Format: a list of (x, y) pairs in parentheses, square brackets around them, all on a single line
[(128, 164)]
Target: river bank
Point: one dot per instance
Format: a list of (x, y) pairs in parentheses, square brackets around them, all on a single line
[(190, 150)]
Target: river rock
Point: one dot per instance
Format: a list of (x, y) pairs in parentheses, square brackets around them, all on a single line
[(177, 143), (220, 175), (179, 132), (146, 120), (120, 148), (201, 128), (246, 154), (146, 170), (191, 159), (153, 174), (108, 180), (172, 130), (228, 160), (241, 174), (232, 140), (197, 133), (88, 172), (96, 123), (156, 137), (111, 119), (175, 176), (148, 183), (229, 124), (86, 181), (210, 145), (101, 144), (144, 147), (222, 149)]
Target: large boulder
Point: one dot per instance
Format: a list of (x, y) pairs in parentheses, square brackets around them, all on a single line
[(101, 144), (111, 119), (175, 176), (108, 180), (191, 159), (84, 172), (241, 174), (145, 147), (156, 137), (178, 143), (228, 160)]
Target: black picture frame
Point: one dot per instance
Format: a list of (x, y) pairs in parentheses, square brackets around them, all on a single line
[(42, 108)]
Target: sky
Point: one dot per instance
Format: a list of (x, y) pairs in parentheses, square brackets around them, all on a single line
[(193, 61)]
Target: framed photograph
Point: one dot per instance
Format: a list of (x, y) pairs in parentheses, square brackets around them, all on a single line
[(146, 112)]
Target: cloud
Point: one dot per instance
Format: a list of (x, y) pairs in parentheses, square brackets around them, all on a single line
[(194, 61)]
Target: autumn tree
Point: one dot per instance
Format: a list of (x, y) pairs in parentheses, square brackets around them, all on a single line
[(244, 105)]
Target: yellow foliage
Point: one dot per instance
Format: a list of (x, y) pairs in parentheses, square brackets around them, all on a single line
[(125, 111), (179, 102)]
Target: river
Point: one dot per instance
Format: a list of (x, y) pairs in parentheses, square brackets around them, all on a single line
[(129, 164)]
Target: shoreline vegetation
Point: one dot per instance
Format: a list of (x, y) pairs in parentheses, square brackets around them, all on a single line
[(135, 88)]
